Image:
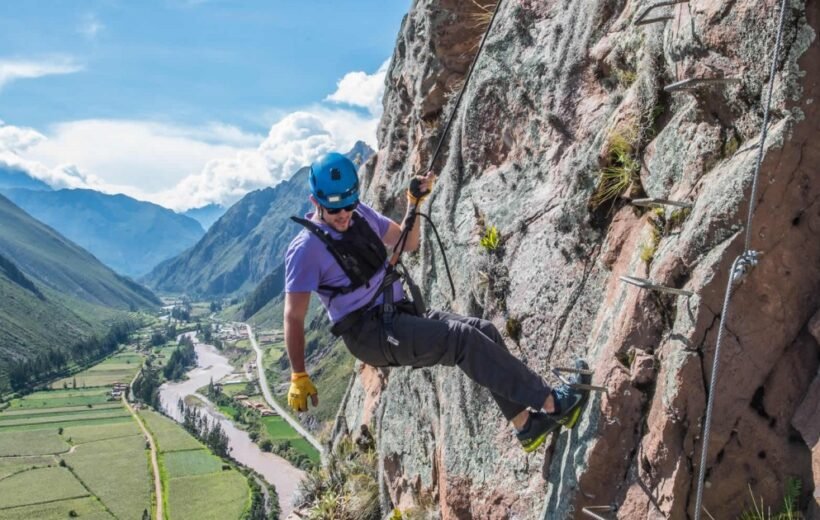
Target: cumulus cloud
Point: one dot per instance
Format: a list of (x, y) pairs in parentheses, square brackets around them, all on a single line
[(293, 142), (183, 167), (362, 90), (13, 70)]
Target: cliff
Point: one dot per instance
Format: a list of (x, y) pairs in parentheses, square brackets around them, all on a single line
[(563, 123)]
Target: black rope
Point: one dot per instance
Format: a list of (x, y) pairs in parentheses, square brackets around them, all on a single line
[(463, 88), (443, 254)]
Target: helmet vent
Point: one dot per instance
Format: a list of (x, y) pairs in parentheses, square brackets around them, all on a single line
[(335, 174)]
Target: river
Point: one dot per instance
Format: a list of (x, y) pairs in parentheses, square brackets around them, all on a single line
[(276, 470)]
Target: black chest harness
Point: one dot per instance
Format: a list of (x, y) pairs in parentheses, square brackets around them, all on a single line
[(361, 255)]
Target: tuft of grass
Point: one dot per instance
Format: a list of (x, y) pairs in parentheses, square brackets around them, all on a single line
[(791, 497), (491, 239), (650, 247), (621, 171), (483, 14), (625, 77), (677, 217)]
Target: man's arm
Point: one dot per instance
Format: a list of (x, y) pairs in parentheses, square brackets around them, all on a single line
[(296, 306), (391, 238)]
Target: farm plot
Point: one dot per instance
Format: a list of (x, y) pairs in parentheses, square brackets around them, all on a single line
[(168, 434), (278, 429), (119, 368), (190, 462), (76, 457), (197, 486), (29, 487), (124, 487), (87, 508), (216, 496), (60, 398)]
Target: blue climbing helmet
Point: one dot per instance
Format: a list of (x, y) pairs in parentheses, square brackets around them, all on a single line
[(334, 181)]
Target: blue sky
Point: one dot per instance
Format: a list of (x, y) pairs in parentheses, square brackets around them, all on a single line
[(190, 82)]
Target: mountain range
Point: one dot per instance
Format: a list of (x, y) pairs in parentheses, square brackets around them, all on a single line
[(245, 245), (126, 234)]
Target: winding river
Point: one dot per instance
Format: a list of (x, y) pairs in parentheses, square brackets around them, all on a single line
[(276, 470)]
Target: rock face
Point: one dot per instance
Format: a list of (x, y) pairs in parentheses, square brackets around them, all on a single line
[(563, 91)]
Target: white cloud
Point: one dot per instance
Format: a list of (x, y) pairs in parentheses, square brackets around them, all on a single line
[(12, 70), (362, 90), (90, 26), (184, 167)]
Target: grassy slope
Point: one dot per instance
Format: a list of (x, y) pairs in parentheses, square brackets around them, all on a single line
[(30, 324), (49, 258)]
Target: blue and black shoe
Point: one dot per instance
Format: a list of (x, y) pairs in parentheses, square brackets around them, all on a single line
[(570, 400), (538, 427)]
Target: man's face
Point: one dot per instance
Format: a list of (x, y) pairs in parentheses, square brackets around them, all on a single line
[(339, 221)]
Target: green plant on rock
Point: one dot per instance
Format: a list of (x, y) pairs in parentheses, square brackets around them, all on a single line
[(625, 77), (514, 329), (621, 170), (677, 217), (346, 488), (491, 239), (789, 511)]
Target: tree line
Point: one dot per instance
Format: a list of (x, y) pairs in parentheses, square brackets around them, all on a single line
[(24, 374)]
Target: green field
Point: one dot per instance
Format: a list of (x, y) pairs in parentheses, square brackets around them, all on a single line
[(37, 442), (119, 368), (191, 462), (279, 429), (195, 483), (214, 496), (27, 487), (124, 486), (60, 398), (87, 508), (168, 435), (97, 467)]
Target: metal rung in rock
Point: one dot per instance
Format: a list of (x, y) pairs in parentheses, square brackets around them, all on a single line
[(591, 511), (695, 83), (557, 371), (649, 285), (643, 20), (650, 202)]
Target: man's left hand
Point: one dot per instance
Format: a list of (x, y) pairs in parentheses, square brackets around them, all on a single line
[(420, 187)]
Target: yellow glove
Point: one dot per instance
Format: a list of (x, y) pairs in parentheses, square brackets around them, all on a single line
[(419, 188), (300, 388)]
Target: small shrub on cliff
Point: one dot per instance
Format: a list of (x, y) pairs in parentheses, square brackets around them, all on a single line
[(621, 170), (345, 489), (650, 247), (491, 239), (482, 14)]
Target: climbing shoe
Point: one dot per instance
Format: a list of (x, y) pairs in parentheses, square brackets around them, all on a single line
[(569, 400), (538, 427)]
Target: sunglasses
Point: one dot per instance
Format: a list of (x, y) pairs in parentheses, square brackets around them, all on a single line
[(335, 211)]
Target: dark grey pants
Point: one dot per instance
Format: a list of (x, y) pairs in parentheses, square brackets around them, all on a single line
[(441, 338)]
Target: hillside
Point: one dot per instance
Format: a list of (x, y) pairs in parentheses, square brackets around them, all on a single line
[(242, 247), (565, 123), (34, 319), (53, 261), (127, 235)]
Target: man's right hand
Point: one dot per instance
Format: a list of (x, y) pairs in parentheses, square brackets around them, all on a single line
[(300, 388)]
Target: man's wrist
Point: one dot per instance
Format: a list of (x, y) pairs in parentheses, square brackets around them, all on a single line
[(298, 375)]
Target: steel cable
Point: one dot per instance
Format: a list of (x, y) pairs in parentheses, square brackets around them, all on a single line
[(739, 267)]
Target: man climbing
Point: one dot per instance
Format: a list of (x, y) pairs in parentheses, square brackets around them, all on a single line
[(341, 256)]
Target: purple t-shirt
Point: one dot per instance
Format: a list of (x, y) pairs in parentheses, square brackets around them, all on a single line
[(309, 264)]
